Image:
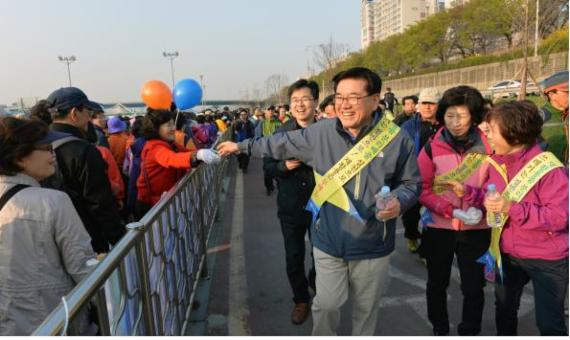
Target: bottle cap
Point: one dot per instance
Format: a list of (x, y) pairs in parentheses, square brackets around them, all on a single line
[(491, 187), (385, 189)]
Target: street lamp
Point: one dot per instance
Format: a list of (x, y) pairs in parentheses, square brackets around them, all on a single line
[(171, 56), (68, 60)]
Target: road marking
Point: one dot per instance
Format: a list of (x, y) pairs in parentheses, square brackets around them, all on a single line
[(238, 318)]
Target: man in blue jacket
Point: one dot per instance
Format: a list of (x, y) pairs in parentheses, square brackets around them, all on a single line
[(353, 157)]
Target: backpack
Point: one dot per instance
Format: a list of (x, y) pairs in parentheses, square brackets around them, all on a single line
[(56, 181)]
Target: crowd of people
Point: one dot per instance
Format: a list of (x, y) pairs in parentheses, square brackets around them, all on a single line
[(346, 168)]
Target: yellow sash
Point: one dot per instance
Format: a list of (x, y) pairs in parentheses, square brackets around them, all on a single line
[(517, 189), (330, 186), (468, 166)]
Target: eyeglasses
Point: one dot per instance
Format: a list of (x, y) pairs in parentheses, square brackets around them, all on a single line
[(352, 99), (44, 147), (305, 100)]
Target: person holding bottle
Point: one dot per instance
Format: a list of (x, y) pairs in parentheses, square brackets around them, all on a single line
[(533, 206), (454, 228)]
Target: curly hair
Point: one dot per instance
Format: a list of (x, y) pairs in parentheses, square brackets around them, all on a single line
[(17, 140), (152, 122), (519, 122), (462, 95)]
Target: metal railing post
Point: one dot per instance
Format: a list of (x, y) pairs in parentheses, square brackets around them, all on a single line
[(102, 313), (145, 285)]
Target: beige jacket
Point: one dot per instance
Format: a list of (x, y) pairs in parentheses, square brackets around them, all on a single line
[(44, 248)]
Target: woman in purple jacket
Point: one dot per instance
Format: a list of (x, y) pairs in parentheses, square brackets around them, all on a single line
[(534, 241)]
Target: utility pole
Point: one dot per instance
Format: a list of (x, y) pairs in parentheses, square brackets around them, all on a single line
[(171, 56), (522, 93), (68, 60), (536, 28)]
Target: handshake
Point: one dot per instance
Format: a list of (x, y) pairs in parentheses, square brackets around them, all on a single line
[(208, 156), (470, 217)]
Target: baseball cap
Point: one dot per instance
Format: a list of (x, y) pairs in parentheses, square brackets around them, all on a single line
[(116, 124), (271, 107), (429, 95), (51, 137), (557, 81), (68, 97)]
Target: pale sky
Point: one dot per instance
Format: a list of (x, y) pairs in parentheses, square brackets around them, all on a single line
[(235, 44)]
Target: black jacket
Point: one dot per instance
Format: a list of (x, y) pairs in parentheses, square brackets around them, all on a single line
[(86, 182), (295, 186)]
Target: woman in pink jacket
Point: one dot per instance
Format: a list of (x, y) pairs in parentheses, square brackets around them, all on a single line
[(534, 240), (452, 228)]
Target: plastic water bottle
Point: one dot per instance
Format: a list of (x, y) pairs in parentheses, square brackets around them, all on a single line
[(382, 198), (493, 195)]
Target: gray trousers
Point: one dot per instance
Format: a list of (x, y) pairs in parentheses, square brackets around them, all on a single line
[(364, 281)]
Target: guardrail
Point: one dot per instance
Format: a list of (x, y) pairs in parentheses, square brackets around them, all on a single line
[(146, 284)]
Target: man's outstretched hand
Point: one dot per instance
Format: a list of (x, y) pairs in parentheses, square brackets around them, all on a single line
[(227, 148)]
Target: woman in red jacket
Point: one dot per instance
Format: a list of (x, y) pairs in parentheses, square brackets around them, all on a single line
[(163, 162)]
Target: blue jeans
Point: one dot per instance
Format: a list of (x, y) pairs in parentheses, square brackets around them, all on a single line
[(550, 283)]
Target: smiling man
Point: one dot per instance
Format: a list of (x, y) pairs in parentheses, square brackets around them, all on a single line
[(295, 183), (353, 157)]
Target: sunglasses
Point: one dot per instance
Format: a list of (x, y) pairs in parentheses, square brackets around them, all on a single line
[(44, 147)]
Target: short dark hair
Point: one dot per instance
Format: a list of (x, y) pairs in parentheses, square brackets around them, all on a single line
[(519, 122), (137, 126), (40, 112), (329, 100), (152, 122), (412, 98), (17, 140), (302, 83), (462, 95), (373, 81)]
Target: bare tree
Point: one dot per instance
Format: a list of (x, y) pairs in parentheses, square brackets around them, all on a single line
[(327, 55), (553, 15), (274, 85)]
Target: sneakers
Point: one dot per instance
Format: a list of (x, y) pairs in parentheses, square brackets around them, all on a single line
[(413, 245), (300, 313)]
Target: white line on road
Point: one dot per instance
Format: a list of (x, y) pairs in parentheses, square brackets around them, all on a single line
[(238, 323)]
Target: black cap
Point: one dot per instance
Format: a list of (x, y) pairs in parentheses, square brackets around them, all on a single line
[(68, 97), (271, 107)]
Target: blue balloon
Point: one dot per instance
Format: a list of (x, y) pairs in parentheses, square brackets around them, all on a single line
[(187, 93)]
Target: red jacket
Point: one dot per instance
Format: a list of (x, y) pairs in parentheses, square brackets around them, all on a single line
[(113, 173), (162, 165), (537, 227)]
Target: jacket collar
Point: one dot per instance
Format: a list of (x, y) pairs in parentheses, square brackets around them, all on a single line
[(67, 128), (523, 155), (376, 116), (20, 178)]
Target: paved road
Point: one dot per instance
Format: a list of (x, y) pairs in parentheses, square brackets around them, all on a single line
[(250, 294)]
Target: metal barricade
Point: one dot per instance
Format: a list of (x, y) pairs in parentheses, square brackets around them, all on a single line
[(146, 284)]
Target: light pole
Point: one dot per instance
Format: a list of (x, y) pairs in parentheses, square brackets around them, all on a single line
[(171, 56), (68, 60), (202, 86)]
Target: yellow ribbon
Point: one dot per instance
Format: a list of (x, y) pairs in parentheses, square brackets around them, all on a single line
[(464, 170), (330, 186)]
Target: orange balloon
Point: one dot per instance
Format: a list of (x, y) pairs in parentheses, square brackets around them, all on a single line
[(156, 95)]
